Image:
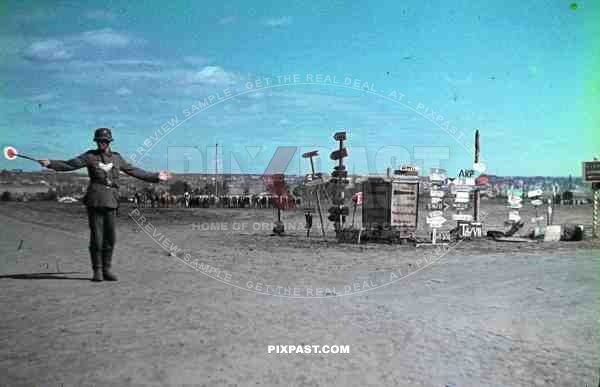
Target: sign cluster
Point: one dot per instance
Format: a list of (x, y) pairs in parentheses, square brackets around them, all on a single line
[(435, 218)]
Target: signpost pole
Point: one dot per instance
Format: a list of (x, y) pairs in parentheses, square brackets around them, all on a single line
[(476, 197), (591, 174), (596, 205), (312, 168)]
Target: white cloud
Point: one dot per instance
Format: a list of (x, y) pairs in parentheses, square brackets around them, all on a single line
[(105, 37), (47, 51), (100, 14), (123, 91), (211, 74), (278, 22), (135, 62)]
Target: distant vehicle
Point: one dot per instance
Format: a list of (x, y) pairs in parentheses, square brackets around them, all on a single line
[(67, 199)]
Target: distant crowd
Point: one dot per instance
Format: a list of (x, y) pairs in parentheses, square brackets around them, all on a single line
[(188, 200)]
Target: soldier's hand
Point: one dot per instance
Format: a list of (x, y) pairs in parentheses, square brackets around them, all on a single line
[(164, 176), (44, 162)]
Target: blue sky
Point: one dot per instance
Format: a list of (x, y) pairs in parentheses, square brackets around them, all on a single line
[(513, 69)]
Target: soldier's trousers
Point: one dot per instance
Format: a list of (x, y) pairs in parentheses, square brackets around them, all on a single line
[(102, 235)]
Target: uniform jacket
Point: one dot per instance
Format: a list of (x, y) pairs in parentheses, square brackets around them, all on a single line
[(103, 170)]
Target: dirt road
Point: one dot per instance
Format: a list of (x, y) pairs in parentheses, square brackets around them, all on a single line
[(484, 314)]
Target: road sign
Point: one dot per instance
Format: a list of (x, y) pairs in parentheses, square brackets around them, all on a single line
[(437, 194), (534, 193), (479, 167), (310, 154), (538, 219), (465, 181), (516, 205), (462, 195), (462, 217), (435, 222), (537, 202), (461, 206), (514, 200), (441, 206), (339, 136), (482, 180), (590, 171), (437, 174), (336, 155), (514, 216), (435, 214)]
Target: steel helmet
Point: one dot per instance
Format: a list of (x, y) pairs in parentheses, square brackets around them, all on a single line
[(102, 134)]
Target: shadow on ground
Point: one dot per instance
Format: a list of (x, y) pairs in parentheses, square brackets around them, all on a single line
[(37, 276)]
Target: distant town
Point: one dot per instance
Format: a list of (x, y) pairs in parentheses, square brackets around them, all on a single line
[(50, 185)]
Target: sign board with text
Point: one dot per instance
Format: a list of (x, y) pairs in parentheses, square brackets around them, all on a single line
[(591, 171)]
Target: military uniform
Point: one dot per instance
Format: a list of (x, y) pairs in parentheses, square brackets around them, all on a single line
[(102, 199)]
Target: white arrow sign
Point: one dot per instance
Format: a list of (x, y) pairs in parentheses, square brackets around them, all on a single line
[(464, 217), (435, 214), (435, 222), (534, 193), (437, 194), (514, 200), (537, 202), (514, 216), (479, 167)]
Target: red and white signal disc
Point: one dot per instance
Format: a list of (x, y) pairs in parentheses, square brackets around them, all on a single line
[(10, 153)]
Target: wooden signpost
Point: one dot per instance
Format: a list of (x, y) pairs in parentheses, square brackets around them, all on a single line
[(310, 156), (338, 212), (591, 174), (435, 219)]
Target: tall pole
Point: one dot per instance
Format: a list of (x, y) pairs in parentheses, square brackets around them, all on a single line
[(596, 188), (216, 170), (310, 155), (476, 196)]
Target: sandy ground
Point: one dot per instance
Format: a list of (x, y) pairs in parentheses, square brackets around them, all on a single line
[(483, 314)]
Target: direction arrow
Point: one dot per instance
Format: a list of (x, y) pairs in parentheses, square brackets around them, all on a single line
[(514, 216), (534, 193), (436, 194), (537, 202), (310, 154), (463, 217), (336, 155), (514, 200), (435, 214)]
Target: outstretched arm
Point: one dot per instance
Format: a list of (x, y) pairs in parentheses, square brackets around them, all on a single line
[(139, 173), (64, 166)]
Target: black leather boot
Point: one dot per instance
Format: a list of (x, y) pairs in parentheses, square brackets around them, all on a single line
[(96, 267), (106, 264)]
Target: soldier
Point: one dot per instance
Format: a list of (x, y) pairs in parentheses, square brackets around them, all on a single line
[(101, 199)]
